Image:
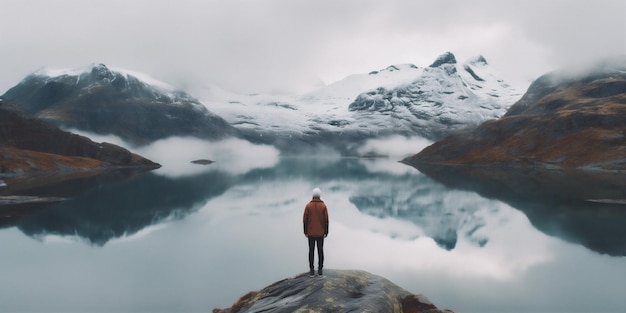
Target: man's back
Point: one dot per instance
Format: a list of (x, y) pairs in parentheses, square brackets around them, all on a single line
[(316, 218), (316, 228)]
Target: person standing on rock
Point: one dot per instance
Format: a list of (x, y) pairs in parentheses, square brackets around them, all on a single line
[(315, 221)]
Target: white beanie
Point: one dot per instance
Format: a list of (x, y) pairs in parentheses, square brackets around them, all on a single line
[(317, 193)]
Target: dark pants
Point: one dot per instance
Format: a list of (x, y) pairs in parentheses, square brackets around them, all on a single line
[(320, 251)]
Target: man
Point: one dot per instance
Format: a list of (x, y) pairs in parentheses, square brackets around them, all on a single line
[(316, 228)]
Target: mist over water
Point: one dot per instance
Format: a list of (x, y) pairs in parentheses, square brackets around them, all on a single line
[(396, 147), (188, 237), (175, 154), (234, 156)]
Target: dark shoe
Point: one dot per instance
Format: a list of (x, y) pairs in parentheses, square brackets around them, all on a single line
[(311, 273), (319, 272)]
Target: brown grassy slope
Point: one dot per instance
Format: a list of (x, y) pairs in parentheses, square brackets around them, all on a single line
[(30, 145), (578, 125), (28, 161)]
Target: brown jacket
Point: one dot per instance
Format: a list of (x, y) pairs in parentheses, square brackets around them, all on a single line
[(315, 218)]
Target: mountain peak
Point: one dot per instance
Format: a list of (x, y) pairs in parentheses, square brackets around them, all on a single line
[(101, 71), (478, 60), (101, 67), (446, 58)]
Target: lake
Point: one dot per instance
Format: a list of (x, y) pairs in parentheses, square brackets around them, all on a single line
[(197, 237)]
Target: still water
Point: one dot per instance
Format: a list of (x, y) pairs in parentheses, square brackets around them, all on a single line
[(193, 239)]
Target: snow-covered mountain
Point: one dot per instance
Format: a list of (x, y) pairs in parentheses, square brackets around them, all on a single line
[(127, 104), (296, 113), (446, 96), (400, 99)]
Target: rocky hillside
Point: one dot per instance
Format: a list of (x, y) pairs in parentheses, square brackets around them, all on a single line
[(565, 120), (103, 101), (28, 145), (336, 291)]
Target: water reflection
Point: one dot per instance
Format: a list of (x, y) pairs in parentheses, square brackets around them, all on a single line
[(117, 204), (188, 243), (386, 189), (415, 198), (120, 204), (384, 215), (557, 203)]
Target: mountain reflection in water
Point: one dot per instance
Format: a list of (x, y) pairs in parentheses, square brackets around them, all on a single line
[(116, 204), (557, 203), (581, 207)]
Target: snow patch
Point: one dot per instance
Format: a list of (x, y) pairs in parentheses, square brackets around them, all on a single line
[(52, 72)]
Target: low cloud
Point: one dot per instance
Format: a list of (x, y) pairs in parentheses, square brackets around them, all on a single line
[(102, 138), (397, 147), (234, 156)]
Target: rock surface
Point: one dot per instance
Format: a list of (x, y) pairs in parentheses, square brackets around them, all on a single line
[(203, 161), (563, 121), (336, 291)]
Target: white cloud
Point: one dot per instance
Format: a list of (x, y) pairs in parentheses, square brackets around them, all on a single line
[(280, 45), (397, 147)]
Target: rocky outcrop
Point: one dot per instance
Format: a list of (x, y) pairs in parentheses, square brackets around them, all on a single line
[(446, 58), (564, 120), (103, 101), (28, 146), (336, 291)]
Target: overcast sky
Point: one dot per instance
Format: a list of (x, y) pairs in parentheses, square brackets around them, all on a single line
[(290, 45)]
